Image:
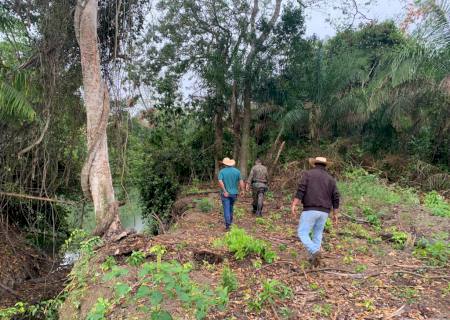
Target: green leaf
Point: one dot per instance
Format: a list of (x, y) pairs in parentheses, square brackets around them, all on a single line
[(156, 298), (122, 289), (143, 291), (161, 315)]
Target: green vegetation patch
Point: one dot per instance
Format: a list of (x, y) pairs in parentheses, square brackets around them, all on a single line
[(271, 291), (242, 244), (437, 204), (363, 187), (205, 205)]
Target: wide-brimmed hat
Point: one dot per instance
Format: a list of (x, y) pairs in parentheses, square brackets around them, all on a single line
[(228, 162), (319, 160)]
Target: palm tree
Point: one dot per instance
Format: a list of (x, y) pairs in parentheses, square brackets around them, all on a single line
[(14, 84)]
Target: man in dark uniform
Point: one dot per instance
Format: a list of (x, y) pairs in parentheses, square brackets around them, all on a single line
[(258, 180), (318, 194)]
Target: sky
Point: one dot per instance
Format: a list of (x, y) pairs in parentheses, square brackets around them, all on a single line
[(379, 10)]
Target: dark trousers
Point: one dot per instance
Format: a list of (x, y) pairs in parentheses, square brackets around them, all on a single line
[(255, 192), (228, 205)]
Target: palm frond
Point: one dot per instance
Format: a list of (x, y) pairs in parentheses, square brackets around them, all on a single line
[(14, 103), (295, 118)]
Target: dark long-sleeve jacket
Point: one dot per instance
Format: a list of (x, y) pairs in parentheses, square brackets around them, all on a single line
[(318, 191)]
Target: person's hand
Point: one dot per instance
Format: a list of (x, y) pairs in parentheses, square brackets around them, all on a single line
[(335, 217), (226, 194), (294, 210)]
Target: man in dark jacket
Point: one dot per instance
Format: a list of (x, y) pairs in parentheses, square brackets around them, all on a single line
[(318, 194)]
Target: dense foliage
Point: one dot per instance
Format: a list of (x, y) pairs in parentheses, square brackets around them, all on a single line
[(374, 95)]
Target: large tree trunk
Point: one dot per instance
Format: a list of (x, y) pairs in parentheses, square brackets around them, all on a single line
[(96, 175), (235, 122), (255, 47), (245, 138), (218, 136)]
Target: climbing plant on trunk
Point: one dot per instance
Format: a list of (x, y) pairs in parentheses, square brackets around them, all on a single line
[(96, 180)]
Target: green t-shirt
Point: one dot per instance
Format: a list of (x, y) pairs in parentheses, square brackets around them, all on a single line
[(230, 177)]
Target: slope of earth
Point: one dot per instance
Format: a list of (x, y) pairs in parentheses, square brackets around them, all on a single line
[(374, 266), (26, 274)]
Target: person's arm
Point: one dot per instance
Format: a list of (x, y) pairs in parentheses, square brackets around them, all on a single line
[(335, 199), (300, 194), (242, 186), (249, 179), (222, 186), (294, 205)]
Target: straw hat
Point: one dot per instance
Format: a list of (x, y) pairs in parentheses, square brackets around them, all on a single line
[(228, 162), (320, 160)]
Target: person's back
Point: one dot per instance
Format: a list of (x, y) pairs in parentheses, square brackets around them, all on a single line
[(319, 191), (229, 181), (230, 177), (258, 180), (258, 174)]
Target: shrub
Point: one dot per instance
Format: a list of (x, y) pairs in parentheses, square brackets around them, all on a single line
[(136, 258), (437, 204), (158, 188), (228, 280), (170, 280), (271, 290), (435, 253), (399, 238), (205, 205), (242, 244)]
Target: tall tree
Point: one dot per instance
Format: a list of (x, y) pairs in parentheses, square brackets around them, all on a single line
[(96, 177), (255, 45)]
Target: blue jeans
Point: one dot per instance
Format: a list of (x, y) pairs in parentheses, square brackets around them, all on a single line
[(315, 221), (228, 203)]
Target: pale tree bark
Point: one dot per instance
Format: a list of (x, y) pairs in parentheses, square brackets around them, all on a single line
[(255, 47), (96, 177)]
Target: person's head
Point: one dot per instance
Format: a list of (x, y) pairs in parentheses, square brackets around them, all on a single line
[(319, 162), (228, 162), (258, 161)]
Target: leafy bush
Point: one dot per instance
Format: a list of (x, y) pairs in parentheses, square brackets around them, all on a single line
[(399, 238), (171, 280), (271, 289), (435, 253), (242, 244), (437, 204), (205, 205), (158, 188), (136, 258), (228, 280)]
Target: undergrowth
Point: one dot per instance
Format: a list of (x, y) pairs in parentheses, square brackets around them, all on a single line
[(437, 204), (242, 244)]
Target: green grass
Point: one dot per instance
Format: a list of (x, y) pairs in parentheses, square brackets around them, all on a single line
[(437, 204), (361, 186)]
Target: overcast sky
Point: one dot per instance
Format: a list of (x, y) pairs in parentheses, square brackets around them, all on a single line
[(380, 10)]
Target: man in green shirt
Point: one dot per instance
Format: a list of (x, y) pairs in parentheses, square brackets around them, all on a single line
[(229, 181)]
